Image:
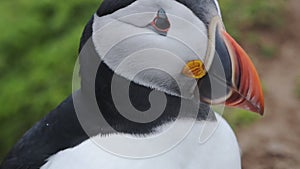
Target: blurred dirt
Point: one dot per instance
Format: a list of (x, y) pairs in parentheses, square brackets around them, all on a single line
[(274, 141)]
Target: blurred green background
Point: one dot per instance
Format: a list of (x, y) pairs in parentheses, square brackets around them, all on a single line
[(39, 41)]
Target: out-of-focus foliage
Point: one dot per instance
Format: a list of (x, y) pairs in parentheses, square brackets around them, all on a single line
[(244, 18), (240, 118), (38, 48), (298, 87), (241, 15)]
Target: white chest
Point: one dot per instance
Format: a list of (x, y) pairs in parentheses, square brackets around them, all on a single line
[(220, 151)]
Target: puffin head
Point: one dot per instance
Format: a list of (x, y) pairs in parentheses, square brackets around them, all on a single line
[(178, 47)]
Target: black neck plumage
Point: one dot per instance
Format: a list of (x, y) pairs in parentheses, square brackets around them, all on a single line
[(61, 128), (96, 87)]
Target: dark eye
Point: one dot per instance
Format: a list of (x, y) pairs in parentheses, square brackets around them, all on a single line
[(161, 23)]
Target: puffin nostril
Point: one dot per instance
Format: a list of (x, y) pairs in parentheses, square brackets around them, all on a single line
[(161, 23)]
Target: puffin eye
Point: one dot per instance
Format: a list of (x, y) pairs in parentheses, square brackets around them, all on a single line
[(161, 23)]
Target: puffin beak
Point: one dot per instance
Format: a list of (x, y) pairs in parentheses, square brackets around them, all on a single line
[(246, 88), (232, 70)]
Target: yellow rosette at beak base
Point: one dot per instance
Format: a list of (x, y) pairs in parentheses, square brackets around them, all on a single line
[(194, 69)]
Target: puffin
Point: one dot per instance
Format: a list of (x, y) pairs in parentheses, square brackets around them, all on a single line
[(148, 75)]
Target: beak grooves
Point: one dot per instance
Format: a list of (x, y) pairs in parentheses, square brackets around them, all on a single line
[(246, 90)]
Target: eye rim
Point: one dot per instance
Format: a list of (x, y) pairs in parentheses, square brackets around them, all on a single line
[(154, 24)]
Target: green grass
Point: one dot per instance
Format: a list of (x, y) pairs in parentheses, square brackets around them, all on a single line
[(238, 118), (252, 14), (245, 20), (38, 47), (268, 51)]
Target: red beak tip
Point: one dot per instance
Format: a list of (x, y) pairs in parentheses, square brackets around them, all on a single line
[(261, 111)]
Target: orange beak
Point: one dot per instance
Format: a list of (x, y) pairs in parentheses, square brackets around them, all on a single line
[(232, 70), (247, 91)]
